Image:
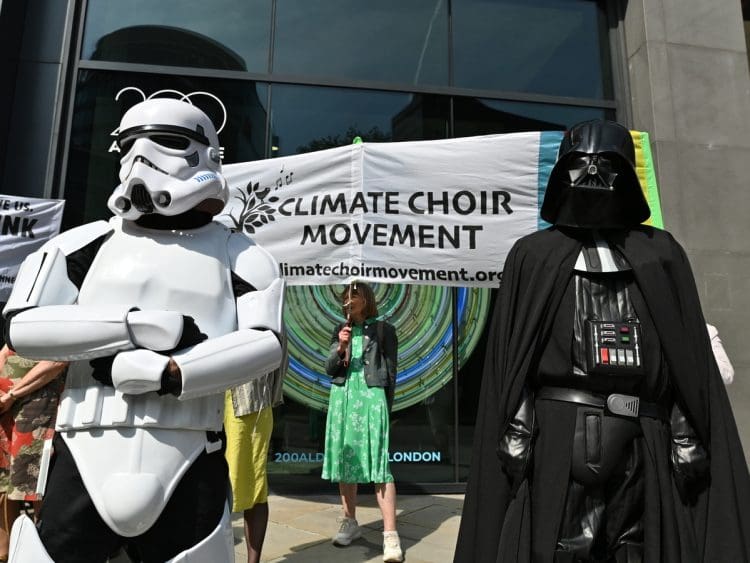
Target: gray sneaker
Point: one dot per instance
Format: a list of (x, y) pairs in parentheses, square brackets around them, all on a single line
[(348, 531)]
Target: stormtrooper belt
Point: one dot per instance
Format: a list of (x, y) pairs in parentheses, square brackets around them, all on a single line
[(616, 403)]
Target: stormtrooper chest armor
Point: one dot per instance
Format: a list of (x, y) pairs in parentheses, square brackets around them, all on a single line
[(168, 270), (148, 269)]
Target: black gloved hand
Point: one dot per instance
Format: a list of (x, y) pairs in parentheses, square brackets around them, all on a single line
[(103, 370), (191, 335), (690, 460), (517, 442), (171, 379)]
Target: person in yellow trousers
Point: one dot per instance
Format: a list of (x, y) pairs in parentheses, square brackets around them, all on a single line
[(248, 422)]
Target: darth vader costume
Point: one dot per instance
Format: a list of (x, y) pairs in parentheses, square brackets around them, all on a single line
[(604, 432)]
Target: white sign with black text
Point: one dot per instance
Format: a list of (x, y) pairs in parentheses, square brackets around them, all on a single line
[(440, 212), (25, 224)]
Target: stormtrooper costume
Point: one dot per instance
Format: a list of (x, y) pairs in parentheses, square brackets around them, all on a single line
[(159, 310), (601, 400)]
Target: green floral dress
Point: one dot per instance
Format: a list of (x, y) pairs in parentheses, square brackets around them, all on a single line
[(357, 426)]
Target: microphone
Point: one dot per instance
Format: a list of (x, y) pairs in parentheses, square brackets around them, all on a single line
[(348, 306)]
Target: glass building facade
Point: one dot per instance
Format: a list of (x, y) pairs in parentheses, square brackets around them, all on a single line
[(281, 77)]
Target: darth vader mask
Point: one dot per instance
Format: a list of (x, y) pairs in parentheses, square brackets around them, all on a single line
[(593, 183)]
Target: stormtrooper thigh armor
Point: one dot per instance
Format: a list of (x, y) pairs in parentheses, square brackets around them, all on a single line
[(217, 546)]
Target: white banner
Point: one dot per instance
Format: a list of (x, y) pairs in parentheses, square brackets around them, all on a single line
[(428, 212), (25, 224)]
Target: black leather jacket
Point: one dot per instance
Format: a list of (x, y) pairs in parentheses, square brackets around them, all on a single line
[(379, 357)]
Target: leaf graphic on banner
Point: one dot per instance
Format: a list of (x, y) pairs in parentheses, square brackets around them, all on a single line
[(256, 209)]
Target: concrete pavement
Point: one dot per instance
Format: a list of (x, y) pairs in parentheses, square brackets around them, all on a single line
[(300, 529)]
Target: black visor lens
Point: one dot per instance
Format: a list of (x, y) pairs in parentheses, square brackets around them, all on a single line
[(177, 142), (125, 144), (171, 141)]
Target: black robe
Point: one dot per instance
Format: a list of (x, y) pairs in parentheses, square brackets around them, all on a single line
[(498, 527)]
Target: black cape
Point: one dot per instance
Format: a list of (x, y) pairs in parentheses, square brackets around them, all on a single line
[(498, 527)]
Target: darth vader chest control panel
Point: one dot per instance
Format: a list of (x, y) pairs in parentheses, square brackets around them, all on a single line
[(614, 347)]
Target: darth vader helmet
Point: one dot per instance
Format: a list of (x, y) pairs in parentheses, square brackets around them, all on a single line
[(594, 183), (170, 161)]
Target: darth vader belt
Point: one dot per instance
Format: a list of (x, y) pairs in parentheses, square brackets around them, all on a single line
[(615, 403)]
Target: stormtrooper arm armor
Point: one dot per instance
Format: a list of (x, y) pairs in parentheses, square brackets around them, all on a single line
[(252, 351), (224, 361), (73, 332), (516, 443), (45, 324)]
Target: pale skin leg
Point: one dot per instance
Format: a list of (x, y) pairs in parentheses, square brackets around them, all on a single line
[(385, 493), (348, 492)]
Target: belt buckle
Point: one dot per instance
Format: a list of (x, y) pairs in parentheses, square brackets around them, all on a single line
[(624, 405)]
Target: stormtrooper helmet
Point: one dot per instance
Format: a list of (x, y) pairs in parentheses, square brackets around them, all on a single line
[(594, 183), (170, 161)]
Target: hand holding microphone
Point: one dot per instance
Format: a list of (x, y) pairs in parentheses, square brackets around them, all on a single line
[(345, 334), (345, 338)]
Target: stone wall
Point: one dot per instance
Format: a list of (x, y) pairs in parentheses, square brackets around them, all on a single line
[(688, 68)]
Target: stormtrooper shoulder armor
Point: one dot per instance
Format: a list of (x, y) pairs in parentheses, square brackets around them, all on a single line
[(46, 323), (263, 307), (43, 277), (251, 262)]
